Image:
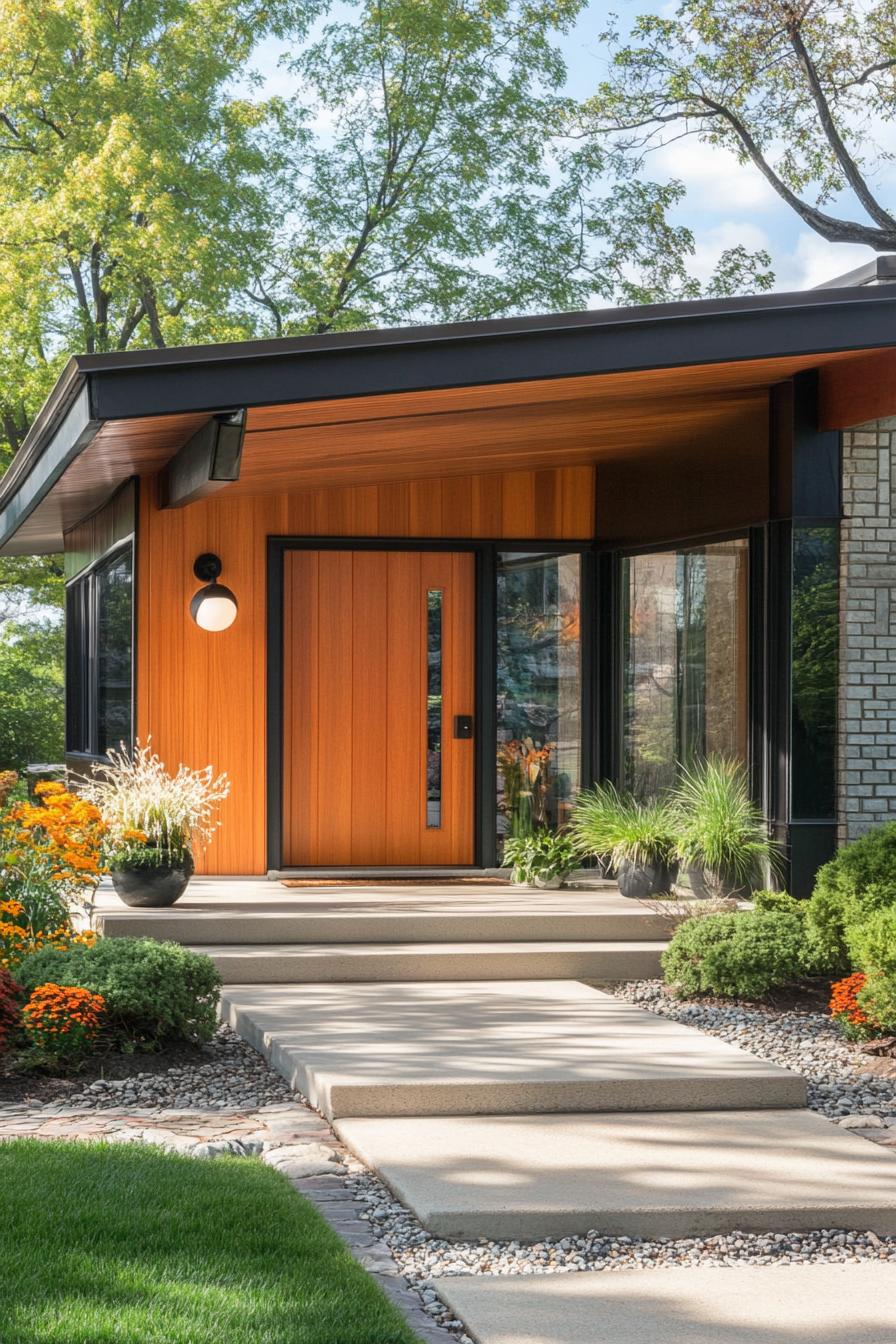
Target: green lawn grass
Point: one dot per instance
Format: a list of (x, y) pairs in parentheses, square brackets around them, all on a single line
[(128, 1245)]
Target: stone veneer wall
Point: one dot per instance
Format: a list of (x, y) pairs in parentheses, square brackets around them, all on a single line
[(867, 694)]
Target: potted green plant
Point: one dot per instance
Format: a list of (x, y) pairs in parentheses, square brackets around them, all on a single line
[(154, 820), (723, 841), (543, 859), (637, 838)]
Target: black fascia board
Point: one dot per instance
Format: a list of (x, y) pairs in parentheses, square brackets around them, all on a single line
[(207, 379), (350, 364)]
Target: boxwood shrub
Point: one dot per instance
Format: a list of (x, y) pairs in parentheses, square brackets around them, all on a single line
[(155, 992), (860, 880), (742, 955), (872, 944)]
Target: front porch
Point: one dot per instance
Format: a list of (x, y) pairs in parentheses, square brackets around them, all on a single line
[(259, 932)]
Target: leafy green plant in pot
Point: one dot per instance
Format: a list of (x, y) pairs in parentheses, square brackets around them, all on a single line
[(636, 838), (155, 819), (723, 841), (542, 859)]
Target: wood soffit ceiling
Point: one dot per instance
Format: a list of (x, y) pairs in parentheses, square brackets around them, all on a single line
[(496, 427)]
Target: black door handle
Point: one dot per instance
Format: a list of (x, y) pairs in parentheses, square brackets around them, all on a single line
[(463, 725)]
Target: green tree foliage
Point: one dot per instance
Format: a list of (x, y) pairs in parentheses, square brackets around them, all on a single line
[(32, 698), (444, 187), (132, 191), (802, 91)]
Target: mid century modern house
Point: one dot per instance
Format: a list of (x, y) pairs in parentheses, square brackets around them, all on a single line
[(447, 560)]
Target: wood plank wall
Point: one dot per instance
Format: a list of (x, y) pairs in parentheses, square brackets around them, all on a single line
[(202, 696)]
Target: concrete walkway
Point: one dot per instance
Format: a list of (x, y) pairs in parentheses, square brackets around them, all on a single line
[(500, 1047), (804, 1304), (503, 1104)]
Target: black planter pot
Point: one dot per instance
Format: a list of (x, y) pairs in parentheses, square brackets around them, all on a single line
[(152, 887), (649, 879), (707, 885)]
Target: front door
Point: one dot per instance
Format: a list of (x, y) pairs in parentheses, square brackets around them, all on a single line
[(378, 694)]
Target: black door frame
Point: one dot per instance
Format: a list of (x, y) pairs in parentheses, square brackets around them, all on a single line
[(485, 551)]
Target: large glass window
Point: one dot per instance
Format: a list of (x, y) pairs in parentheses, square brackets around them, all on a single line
[(539, 690), (99, 665), (685, 660)]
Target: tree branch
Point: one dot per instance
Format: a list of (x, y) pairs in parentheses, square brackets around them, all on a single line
[(848, 164)]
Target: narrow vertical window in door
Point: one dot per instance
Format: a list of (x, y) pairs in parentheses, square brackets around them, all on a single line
[(434, 708)]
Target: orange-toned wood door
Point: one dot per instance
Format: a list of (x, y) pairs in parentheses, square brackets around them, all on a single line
[(378, 662)]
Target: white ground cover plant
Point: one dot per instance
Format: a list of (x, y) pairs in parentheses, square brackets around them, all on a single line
[(138, 795)]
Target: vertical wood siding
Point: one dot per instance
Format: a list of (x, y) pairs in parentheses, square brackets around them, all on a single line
[(201, 696)]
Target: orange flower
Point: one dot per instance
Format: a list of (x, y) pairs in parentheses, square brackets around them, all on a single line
[(844, 1000)]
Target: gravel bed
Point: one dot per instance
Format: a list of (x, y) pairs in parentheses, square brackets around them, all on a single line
[(228, 1072), (839, 1081)]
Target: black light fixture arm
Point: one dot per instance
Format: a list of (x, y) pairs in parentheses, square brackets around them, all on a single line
[(207, 567)]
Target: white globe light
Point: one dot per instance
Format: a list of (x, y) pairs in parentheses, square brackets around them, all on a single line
[(214, 607)]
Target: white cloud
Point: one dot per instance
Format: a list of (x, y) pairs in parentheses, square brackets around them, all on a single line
[(812, 261), (712, 175)]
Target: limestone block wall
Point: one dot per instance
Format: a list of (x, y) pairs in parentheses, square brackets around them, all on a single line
[(867, 690)]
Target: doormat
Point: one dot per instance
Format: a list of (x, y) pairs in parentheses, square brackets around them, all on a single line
[(395, 882)]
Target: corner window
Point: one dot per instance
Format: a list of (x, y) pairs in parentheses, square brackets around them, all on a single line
[(99, 660)]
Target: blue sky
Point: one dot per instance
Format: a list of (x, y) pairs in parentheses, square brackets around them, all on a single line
[(726, 203)]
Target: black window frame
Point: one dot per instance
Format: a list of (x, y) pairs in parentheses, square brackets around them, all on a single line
[(82, 613)]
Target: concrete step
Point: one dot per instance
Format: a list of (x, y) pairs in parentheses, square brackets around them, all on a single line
[(401, 916), (492, 1047), (302, 963), (679, 1174), (751, 1304)]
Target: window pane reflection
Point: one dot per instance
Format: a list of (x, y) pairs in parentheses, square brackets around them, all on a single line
[(434, 708), (814, 671), (114, 653), (685, 661), (539, 690)]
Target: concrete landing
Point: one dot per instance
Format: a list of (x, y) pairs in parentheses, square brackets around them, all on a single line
[(685, 1174), (232, 910), (296, 964), (756, 1304), (493, 1047)]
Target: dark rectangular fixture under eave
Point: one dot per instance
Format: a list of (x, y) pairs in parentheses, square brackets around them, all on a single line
[(206, 462)]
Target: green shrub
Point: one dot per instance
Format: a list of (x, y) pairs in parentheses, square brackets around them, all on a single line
[(878, 1001), (778, 902), (860, 880), (740, 955), (872, 943), (154, 992)]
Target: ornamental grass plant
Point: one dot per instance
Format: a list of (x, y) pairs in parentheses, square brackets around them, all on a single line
[(720, 829), (154, 818), (609, 824)]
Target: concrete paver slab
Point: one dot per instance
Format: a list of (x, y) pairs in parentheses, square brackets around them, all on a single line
[(492, 1047), (525, 1177), (757, 1304), (303, 963)]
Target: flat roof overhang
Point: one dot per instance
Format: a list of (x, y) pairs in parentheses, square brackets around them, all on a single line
[(128, 413)]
